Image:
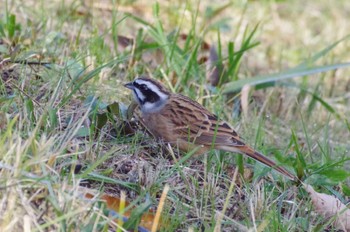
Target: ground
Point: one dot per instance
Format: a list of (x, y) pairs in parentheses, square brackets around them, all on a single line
[(65, 127)]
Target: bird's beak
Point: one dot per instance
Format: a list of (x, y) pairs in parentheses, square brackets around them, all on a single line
[(129, 85)]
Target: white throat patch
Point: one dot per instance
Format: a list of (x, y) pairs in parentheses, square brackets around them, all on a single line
[(138, 95), (149, 107)]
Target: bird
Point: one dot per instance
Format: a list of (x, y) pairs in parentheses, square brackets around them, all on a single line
[(183, 122)]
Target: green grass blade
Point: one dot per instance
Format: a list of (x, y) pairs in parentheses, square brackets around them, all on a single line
[(237, 85)]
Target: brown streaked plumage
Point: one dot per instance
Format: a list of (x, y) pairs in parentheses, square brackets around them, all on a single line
[(178, 120)]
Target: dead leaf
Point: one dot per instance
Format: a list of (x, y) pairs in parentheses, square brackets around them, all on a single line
[(329, 206), (113, 203), (124, 41), (214, 67)]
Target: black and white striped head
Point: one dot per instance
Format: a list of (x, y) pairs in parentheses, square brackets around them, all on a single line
[(150, 94)]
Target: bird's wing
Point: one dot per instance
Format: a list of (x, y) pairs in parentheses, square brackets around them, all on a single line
[(196, 124), (193, 123)]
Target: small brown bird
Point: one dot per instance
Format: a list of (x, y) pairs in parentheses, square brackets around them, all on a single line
[(178, 120)]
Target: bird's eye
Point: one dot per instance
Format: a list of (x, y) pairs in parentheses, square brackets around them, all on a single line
[(144, 87)]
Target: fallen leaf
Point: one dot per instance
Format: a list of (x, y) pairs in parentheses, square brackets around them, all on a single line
[(214, 67), (124, 41), (329, 206), (113, 204)]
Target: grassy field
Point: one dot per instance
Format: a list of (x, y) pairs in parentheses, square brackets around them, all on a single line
[(281, 79)]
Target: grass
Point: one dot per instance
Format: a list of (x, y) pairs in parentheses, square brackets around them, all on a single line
[(63, 112)]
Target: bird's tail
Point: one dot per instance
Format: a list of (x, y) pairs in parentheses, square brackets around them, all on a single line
[(246, 150)]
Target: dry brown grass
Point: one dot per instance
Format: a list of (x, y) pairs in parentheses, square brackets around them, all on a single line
[(40, 192)]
